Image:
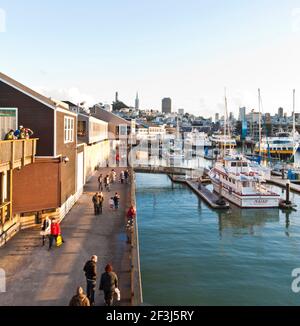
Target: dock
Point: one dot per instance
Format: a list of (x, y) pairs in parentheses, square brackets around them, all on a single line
[(208, 196), (282, 183)]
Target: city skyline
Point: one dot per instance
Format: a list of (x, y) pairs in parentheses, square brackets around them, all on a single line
[(188, 51)]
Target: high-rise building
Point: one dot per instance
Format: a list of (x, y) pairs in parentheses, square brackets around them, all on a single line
[(181, 111), (280, 112), (117, 97), (231, 117), (137, 102), (242, 114), (217, 117), (167, 105), (268, 118)]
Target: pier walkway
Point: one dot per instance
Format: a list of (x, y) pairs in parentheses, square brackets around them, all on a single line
[(38, 277)]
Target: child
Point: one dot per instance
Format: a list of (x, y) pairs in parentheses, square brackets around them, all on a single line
[(111, 203)]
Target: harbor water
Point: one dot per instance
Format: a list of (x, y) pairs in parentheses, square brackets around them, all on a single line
[(193, 255)]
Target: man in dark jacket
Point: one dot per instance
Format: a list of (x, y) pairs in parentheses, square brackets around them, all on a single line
[(109, 284), (98, 202), (90, 269), (80, 299)]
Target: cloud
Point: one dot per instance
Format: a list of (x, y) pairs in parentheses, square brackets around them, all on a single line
[(72, 94)]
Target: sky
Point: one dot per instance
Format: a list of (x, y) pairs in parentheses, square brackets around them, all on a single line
[(189, 50)]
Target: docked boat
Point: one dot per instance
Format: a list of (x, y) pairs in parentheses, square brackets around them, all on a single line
[(197, 139), (283, 144), (223, 141), (234, 179)]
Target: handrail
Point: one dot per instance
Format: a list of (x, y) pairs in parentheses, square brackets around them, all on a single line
[(4, 205), (17, 140), (135, 276)]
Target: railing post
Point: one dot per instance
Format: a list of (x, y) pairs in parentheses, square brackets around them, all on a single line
[(23, 152), (33, 150), (12, 155)]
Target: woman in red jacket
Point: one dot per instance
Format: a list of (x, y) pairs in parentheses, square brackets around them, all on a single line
[(55, 232)]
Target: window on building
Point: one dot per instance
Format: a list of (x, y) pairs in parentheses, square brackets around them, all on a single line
[(69, 130)]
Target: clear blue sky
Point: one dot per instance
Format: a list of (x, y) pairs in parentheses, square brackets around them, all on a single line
[(188, 50)]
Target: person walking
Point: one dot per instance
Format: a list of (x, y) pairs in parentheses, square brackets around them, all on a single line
[(107, 183), (101, 201), (97, 203), (116, 200), (122, 177), (46, 230), (109, 284), (126, 175), (113, 176), (90, 269), (131, 214), (80, 299), (100, 182), (55, 232)]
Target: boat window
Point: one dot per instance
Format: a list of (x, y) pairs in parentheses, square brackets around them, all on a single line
[(239, 164), (246, 184), (233, 164), (245, 164)]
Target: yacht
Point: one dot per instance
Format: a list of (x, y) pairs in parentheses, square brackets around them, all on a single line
[(234, 179), (197, 139), (283, 144), (223, 141)]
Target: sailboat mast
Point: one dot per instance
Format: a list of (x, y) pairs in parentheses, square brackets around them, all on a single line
[(259, 120), (225, 123), (294, 119)]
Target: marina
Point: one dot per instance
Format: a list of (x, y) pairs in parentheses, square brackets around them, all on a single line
[(216, 252)]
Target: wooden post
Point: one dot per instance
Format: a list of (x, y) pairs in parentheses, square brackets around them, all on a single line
[(10, 194), (23, 152), (12, 155), (287, 198)]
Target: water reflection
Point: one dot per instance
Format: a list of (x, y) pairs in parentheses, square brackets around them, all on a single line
[(242, 222)]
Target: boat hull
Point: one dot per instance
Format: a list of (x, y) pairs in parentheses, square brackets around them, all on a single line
[(247, 201)]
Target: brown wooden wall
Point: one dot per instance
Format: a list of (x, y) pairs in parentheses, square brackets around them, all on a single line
[(68, 170), (36, 187), (31, 114)]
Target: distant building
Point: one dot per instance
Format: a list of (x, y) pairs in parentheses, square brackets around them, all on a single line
[(280, 112), (242, 114), (181, 111), (268, 118), (167, 105), (117, 97), (217, 117), (231, 117), (137, 102)]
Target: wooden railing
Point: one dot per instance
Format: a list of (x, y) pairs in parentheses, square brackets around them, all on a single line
[(17, 153), (4, 212)]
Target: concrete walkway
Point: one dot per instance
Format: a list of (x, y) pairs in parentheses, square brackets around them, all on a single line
[(38, 277)]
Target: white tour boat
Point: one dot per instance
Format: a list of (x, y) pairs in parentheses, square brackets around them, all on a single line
[(235, 180)]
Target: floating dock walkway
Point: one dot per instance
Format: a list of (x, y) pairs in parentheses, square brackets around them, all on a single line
[(282, 183), (208, 196)]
